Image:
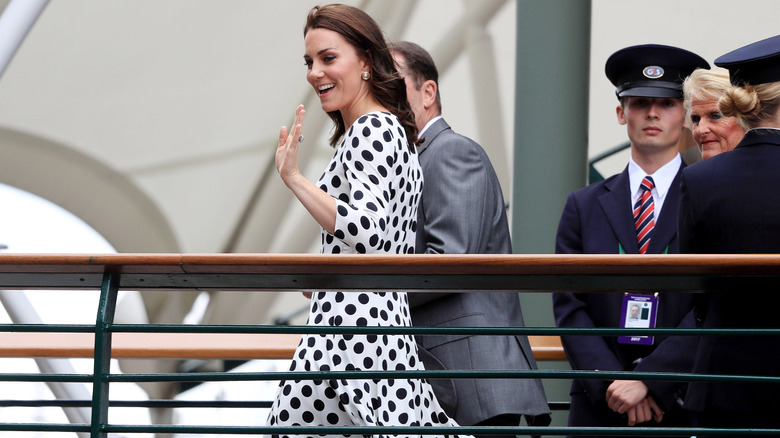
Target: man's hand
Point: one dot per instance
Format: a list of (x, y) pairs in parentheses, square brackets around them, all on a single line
[(622, 395), (644, 411)]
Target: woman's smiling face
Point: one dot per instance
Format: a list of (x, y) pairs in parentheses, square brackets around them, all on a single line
[(334, 70), (713, 132)]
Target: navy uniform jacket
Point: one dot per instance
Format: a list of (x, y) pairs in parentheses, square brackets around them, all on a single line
[(730, 204), (462, 212), (595, 219)]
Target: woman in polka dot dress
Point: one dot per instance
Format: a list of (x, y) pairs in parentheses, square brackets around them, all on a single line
[(366, 202)]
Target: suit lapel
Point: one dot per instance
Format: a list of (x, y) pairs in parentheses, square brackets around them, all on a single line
[(430, 134), (666, 226), (616, 203)]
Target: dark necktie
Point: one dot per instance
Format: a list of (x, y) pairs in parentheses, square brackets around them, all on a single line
[(644, 219)]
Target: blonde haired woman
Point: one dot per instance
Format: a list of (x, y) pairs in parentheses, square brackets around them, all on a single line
[(713, 132), (730, 205)]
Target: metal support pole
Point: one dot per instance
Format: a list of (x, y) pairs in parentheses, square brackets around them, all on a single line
[(100, 381), (551, 138), (15, 23), (551, 117)]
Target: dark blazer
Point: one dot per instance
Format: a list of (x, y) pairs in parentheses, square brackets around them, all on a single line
[(594, 221), (462, 212), (730, 205)]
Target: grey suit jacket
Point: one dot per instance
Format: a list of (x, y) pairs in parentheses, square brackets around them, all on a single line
[(462, 212)]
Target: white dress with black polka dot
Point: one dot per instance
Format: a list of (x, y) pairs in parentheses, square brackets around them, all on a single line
[(377, 182)]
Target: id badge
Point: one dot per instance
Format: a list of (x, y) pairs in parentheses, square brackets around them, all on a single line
[(638, 311)]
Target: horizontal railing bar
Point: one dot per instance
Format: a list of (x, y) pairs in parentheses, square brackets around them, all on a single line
[(612, 283), (190, 404), (48, 328), (172, 404), (395, 430), (71, 378), (46, 403), (422, 430), (394, 272), (44, 427), (449, 282), (434, 374), (301, 329), (139, 403), (706, 264)]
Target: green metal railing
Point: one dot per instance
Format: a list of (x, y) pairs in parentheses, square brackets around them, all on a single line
[(597, 274)]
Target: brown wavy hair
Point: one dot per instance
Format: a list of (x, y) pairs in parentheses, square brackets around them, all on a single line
[(363, 33)]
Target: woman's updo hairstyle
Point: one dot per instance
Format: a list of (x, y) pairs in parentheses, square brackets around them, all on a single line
[(751, 104), (754, 72)]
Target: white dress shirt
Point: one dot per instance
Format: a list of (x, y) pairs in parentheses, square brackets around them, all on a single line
[(662, 178)]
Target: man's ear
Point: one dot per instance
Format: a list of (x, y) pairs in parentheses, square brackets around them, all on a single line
[(621, 115), (428, 91)]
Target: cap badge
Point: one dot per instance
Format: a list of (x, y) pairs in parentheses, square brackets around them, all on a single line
[(653, 72)]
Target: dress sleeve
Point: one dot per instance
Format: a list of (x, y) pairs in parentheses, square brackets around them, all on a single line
[(369, 162)]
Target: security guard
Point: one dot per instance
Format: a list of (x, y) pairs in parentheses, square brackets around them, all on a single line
[(634, 212)]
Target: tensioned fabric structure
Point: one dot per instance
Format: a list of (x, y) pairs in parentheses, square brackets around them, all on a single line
[(156, 123)]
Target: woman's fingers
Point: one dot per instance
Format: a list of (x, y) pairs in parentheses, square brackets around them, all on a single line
[(282, 136), (287, 151)]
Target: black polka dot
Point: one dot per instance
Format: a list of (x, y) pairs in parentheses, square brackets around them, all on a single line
[(376, 179)]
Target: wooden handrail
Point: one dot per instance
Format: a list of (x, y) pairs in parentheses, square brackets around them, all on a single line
[(190, 345), (402, 272), (495, 264)]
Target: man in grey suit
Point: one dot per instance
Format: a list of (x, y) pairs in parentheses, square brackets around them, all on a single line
[(462, 212)]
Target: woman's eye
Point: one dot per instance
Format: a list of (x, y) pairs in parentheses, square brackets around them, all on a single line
[(716, 116), (695, 120), (328, 58)]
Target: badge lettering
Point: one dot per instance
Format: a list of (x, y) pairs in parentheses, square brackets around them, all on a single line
[(653, 72)]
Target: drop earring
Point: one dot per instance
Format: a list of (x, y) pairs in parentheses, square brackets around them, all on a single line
[(366, 76)]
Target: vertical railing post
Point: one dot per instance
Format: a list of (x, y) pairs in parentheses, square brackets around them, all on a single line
[(102, 358)]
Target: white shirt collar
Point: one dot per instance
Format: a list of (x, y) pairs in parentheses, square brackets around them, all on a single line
[(662, 178), (428, 125)]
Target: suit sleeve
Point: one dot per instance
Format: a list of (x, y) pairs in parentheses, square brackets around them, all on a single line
[(571, 310), (686, 225)]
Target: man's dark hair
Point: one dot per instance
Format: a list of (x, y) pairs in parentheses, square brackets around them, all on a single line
[(419, 65)]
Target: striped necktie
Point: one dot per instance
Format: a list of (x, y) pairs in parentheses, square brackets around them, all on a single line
[(644, 219)]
